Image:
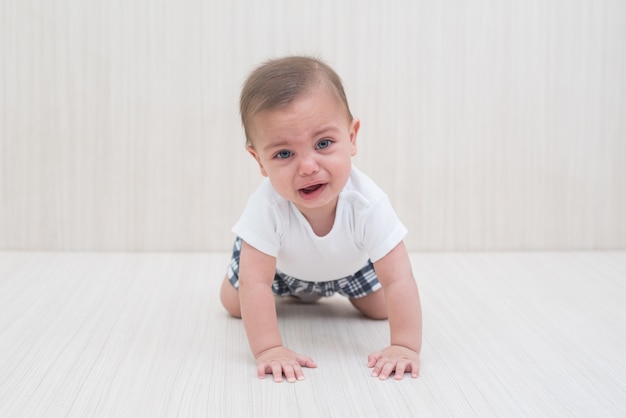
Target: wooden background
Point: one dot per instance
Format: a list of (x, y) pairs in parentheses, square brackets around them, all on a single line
[(491, 125)]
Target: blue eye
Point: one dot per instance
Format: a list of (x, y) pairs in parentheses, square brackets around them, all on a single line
[(283, 154), (324, 143)]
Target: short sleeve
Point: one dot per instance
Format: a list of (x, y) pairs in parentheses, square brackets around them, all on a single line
[(261, 224), (382, 229)]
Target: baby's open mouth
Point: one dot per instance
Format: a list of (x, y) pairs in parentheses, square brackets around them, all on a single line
[(311, 189)]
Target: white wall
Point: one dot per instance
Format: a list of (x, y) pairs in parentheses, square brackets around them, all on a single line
[(492, 125)]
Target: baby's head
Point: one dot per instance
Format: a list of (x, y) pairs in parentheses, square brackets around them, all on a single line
[(277, 82)]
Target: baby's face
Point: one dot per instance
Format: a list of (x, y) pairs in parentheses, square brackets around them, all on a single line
[(306, 149)]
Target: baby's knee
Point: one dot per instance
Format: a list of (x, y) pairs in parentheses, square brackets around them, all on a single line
[(373, 306), (234, 313), (232, 310), (229, 296), (373, 312), (377, 315)]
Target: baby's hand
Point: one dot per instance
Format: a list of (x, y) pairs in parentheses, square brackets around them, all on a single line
[(394, 357), (280, 361)]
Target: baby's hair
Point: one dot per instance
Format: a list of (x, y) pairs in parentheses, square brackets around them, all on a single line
[(278, 82)]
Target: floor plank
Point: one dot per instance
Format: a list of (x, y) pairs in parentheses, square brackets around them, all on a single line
[(123, 334)]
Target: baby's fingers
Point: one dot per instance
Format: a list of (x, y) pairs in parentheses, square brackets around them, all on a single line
[(274, 368), (394, 358), (401, 366), (415, 369), (263, 368), (373, 358), (280, 362), (277, 372), (291, 372), (305, 361), (377, 366), (385, 369)]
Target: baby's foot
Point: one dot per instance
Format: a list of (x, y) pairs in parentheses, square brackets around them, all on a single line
[(307, 297)]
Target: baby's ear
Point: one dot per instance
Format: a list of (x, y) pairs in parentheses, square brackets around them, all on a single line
[(256, 156), (354, 130)]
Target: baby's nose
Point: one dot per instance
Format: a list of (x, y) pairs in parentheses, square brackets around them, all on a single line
[(308, 166)]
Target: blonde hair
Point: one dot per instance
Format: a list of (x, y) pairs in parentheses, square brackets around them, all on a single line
[(278, 82)]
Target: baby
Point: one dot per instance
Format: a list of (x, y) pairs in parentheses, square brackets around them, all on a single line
[(317, 225)]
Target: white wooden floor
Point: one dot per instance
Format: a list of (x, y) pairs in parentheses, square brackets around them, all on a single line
[(132, 335)]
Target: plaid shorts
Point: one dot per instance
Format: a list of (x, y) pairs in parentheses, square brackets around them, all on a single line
[(360, 284)]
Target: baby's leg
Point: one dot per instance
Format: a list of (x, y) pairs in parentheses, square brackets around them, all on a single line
[(374, 305), (230, 298)]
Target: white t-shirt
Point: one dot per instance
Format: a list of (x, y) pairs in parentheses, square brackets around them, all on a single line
[(366, 228)]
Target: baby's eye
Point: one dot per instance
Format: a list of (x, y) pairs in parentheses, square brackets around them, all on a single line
[(283, 154), (324, 143)]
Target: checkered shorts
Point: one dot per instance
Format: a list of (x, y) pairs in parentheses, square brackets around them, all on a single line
[(360, 284)]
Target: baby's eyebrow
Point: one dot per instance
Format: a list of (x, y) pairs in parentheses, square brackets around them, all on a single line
[(324, 129), (275, 145)]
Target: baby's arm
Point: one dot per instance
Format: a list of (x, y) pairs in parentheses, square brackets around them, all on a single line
[(258, 312), (405, 317)]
